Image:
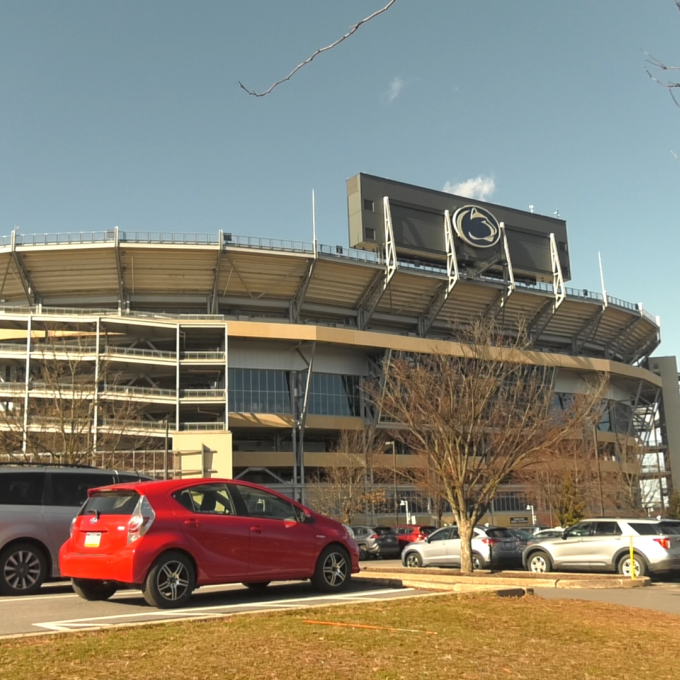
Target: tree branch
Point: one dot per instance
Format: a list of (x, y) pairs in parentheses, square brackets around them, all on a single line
[(351, 31)]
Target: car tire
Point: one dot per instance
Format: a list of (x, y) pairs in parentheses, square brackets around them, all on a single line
[(641, 568), (539, 563), (23, 569), (478, 562), (333, 570), (257, 585), (413, 560), (363, 553), (170, 581), (94, 591)]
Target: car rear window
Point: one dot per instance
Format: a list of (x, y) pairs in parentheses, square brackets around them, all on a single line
[(427, 530), (499, 533), (383, 531), (672, 528), (645, 529), (118, 502)]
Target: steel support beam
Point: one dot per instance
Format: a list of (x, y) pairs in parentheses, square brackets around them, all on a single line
[(215, 295), (428, 317), (119, 271), (621, 336), (587, 331), (299, 298), (24, 279), (378, 285)]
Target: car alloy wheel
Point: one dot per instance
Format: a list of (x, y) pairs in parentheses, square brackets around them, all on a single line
[(639, 566), (24, 570), (333, 570), (170, 581), (413, 560), (539, 563)]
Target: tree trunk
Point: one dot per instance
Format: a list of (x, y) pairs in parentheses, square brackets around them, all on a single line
[(465, 526)]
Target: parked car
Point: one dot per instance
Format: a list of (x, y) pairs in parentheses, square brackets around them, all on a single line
[(603, 544), (37, 504), (491, 547), (409, 533), (523, 537), (376, 541), (168, 538)]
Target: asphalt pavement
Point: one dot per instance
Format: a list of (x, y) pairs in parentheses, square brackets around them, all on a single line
[(57, 608)]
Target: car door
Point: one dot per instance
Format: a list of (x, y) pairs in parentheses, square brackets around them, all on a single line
[(434, 550), (282, 544), (65, 493), (218, 536), (602, 544), (570, 551)]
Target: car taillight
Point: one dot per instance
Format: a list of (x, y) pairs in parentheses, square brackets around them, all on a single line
[(664, 542), (73, 524), (490, 541), (141, 520), (375, 536)]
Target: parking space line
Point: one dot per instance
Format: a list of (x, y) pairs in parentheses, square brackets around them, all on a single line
[(68, 624)]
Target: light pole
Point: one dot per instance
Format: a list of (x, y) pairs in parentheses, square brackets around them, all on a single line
[(533, 514), (408, 514), (394, 470)]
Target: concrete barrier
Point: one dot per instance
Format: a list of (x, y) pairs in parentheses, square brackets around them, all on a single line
[(439, 579)]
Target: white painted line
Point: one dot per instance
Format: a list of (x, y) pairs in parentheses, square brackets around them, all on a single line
[(199, 611)]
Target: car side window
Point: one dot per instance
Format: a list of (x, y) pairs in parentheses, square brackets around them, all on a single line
[(266, 505), (580, 529), (441, 535), (21, 488), (208, 499), (69, 489), (607, 529)]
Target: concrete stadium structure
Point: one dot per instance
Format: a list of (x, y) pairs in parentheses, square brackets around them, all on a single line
[(252, 350)]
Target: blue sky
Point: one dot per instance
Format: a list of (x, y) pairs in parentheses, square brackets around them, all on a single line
[(129, 113)]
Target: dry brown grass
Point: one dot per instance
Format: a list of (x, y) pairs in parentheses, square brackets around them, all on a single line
[(477, 637)]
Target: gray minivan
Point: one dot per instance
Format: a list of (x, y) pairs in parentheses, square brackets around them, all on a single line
[(37, 504)]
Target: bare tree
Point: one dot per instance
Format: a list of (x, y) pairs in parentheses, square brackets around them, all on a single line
[(478, 411), (321, 50), (344, 488), (68, 417)]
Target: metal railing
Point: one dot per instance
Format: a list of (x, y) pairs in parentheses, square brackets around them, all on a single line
[(203, 394), (202, 426), (137, 390), (202, 356), (139, 352)]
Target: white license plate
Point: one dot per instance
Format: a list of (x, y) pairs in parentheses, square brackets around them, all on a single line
[(92, 539)]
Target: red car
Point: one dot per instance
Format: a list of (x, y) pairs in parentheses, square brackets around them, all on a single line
[(409, 533), (170, 537)]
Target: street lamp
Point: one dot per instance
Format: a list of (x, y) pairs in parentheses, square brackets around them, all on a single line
[(408, 514), (392, 443), (533, 514)]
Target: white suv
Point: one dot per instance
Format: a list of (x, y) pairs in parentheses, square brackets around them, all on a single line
[(603, 544)]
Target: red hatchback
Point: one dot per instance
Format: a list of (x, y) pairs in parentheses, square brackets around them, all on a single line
[(410, 533), (170, 537)]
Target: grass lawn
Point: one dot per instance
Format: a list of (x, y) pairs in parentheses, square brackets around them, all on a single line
[(480, 636)]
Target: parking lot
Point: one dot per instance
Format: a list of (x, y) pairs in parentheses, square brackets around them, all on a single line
[(58, 608)]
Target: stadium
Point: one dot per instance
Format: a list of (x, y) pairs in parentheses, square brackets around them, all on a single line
[(244, 356)]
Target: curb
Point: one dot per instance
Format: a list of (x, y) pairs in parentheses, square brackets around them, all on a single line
[(425, 579)]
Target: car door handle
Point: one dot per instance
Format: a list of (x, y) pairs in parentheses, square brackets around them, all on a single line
[(191, 522), (256, 530)]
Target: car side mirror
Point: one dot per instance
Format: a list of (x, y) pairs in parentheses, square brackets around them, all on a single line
[(308, 519), (427, 539), (565, 535)]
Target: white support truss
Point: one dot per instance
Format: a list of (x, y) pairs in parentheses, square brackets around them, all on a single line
[(558, 280)]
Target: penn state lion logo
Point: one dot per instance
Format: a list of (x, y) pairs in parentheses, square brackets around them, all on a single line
[(477, 226)]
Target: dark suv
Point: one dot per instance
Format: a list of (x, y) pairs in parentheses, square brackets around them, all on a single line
[(37, 504)]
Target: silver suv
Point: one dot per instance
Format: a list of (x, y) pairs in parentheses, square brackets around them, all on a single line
[(603, 544), (491, 546), (37, 504)]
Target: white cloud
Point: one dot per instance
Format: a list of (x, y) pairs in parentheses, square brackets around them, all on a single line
[(480, 187), (396, 86)]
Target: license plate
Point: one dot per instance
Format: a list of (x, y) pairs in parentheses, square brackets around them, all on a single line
[(92, 539)]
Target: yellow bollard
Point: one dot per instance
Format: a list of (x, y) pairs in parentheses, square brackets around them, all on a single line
[(632, 559)]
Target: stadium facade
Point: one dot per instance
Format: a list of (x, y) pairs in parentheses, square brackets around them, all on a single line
[(246, 354)]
